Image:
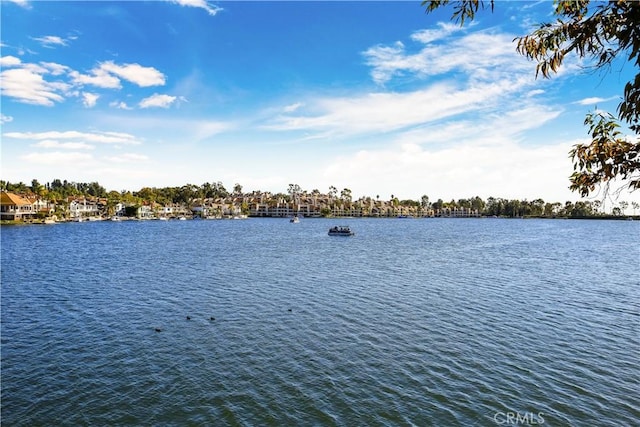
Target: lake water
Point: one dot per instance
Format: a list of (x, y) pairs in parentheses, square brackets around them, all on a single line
[(420, 322)]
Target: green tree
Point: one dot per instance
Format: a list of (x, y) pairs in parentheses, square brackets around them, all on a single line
[(437, 205), (477, 204), (424, 202), (345, 195), (36, 187), (333, 192), (599, 32)]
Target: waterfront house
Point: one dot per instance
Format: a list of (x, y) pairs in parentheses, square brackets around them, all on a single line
[(41, 206), (16, 208), (145, 211), (85, 208)]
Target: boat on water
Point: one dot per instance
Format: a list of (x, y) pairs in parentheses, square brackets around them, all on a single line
[(342, 230), (294, 219)]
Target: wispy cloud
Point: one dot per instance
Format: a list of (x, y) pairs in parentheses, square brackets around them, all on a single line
[(22, 3), (292, 107), (444, 30), (472, 74), (202, 4), (157, 101), (121, 105), (93, 137), (89, 99), (595, 100), (54, 69), (50, 143), (481, 56), (29, 86), (135, 73), (389, 111), (98, 77), (51, 41), (5, 119)]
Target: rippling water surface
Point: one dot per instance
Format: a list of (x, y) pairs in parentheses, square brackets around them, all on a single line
[(409, 322)]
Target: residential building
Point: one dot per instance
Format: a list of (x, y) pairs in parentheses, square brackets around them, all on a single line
[(16, 208)]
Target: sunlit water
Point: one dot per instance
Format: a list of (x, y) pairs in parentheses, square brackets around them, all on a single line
[(410, 322)]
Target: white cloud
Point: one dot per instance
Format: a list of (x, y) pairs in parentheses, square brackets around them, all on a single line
[(51, 41), (135, 73), (293, 107), (388, 111), (98, 78), (50, 143), (205, 129), (9, 61), (95, 137), (5, 119), (121, 105), (108, 74), (23, 3), (430, 35), (89, 99), (595, 100), (54, 69), (28, 86), (535, 92), (203, 4), (481, 56), (489, 77), (158, 101)]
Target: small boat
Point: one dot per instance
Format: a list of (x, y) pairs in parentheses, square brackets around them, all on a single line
[(294, 219), (341, 231)]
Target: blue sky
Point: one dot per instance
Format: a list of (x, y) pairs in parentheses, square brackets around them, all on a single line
[(377, 97)]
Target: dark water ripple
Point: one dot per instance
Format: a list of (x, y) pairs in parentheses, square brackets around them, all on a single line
[(411, 322)]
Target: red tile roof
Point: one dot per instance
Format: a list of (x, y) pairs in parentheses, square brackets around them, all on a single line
[(13, 199)]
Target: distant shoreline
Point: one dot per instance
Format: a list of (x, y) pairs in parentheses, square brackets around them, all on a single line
[(599, 217)]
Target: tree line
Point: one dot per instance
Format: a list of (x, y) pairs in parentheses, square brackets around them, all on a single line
[(189, 194)]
